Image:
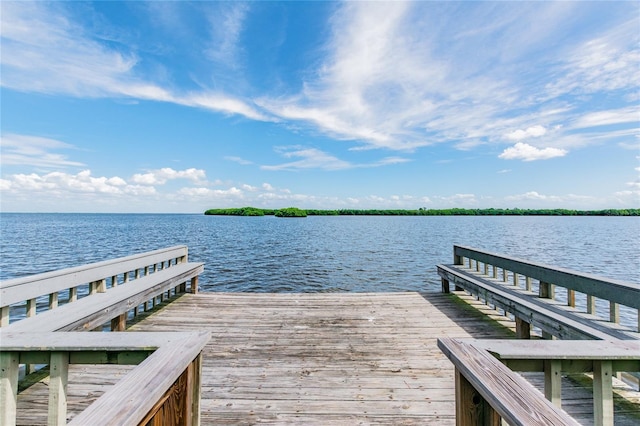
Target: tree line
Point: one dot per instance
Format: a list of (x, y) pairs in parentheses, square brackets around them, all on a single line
[(295, 212)]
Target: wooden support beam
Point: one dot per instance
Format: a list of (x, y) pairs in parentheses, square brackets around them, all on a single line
[(445, 286), (194, 285), (9, 368), (119, 323), (58, 377), (523, 329), (73, 294), (571, 298), (602, 393)]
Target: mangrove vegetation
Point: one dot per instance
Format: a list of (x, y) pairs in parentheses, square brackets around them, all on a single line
[(296, 212)]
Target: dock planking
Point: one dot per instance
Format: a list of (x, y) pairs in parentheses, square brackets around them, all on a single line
[(315, 358)]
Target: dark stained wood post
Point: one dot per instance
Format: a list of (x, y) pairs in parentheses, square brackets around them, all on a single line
[(471, 407), (523, 329), (119, 323)]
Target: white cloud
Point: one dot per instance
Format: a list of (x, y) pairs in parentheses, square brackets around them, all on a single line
[(61, 182), (531, 132), (161, 176), (26, 150), (526, 152)]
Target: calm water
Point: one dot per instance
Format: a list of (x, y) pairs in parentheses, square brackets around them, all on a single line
[(268, 254)]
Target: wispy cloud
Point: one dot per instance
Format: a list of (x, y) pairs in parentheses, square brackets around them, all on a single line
[(238, 160), (313, 158), (26, 150), (45, 51)]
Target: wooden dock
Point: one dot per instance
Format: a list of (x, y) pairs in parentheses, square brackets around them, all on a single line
[(332, 358)]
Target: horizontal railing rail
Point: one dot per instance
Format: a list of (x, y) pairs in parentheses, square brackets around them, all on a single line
[(166, 379)]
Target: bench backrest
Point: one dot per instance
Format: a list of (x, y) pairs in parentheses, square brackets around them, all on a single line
[(95, 276), (614, 291)]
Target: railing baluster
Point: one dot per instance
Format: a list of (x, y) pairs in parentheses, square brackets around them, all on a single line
[(58, 377), (614, 312), (53, 300), (591, 304), (528, 283), (571, 298), (114, 281), (73, 294), (4, 316)]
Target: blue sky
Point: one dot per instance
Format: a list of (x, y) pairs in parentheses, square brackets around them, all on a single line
[(180, 107)]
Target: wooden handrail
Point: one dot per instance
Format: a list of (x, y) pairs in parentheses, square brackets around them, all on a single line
[(90, 279), (132, 399), (25, 288), (554, 357), (487, 390), (616, 292), (613, 290)]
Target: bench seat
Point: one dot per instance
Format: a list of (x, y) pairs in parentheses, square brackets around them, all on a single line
[(92, 311), (551, 317)]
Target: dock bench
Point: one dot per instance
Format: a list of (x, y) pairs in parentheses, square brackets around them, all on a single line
[(111, 290), (507, 283)]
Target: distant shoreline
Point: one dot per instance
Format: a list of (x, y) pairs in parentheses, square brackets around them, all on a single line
[(254, 211)]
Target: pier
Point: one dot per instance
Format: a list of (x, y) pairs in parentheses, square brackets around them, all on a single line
[(291, 358)]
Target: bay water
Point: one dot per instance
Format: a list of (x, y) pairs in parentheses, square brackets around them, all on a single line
[(319, 253)]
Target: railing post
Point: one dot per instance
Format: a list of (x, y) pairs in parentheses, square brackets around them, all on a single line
[(523, 329), (194, 285), (571, 298), (58, 377), (602, 393), (119, 323), (194, 376), (553, 381), (614, 312), (445, 285), (9, 368)]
